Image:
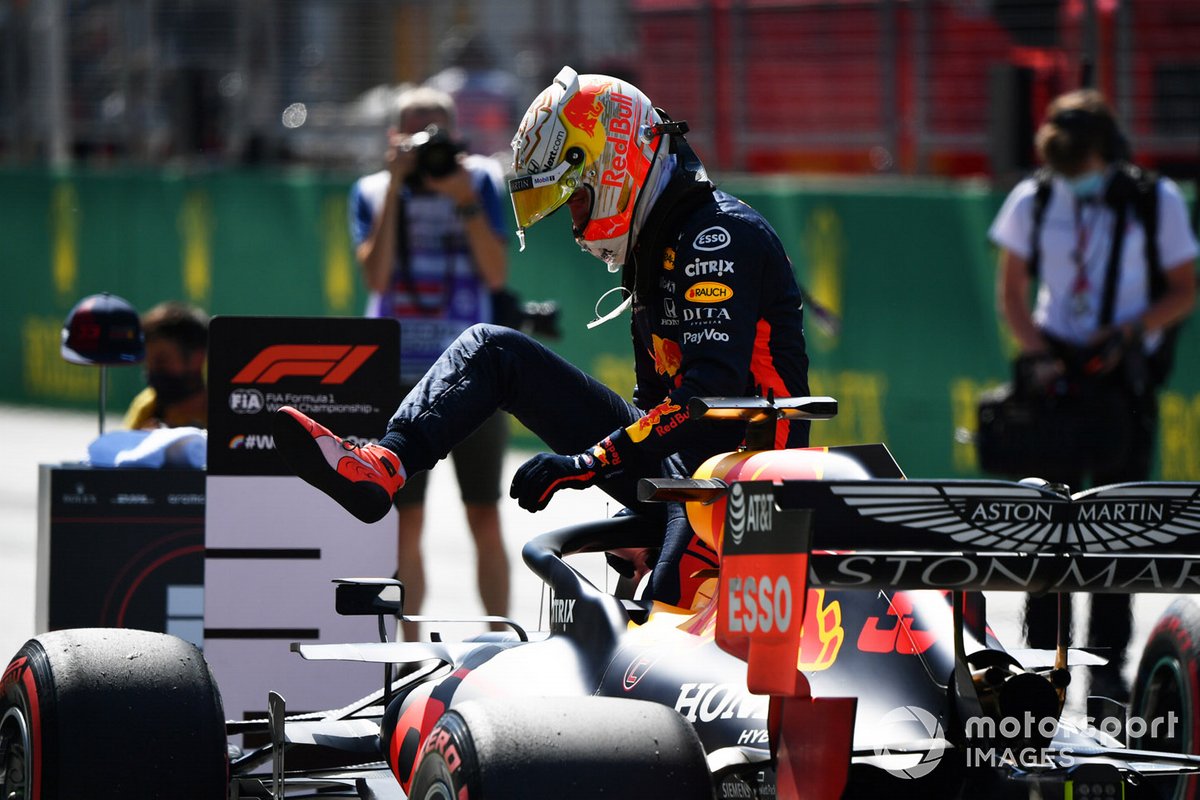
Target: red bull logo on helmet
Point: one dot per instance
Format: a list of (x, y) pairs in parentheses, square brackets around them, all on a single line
[(620, 134), (583, 110)]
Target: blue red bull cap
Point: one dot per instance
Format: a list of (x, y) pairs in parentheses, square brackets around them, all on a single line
[(103, 329)]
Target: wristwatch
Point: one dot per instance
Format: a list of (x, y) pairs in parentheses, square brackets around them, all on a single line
[(468, 211)]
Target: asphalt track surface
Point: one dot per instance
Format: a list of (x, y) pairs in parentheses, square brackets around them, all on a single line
[(33, 436)]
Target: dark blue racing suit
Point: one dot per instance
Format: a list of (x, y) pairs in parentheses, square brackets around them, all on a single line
[(716, 312)]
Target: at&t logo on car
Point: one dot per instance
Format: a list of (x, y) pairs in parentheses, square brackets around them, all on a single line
[(713, 238), (246, 401), (748, 513), (735, 512), (756, 602)]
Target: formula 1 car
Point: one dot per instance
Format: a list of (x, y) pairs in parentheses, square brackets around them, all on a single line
[(838, 648)]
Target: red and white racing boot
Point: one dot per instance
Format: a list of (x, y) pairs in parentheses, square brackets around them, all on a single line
[(362, 479)]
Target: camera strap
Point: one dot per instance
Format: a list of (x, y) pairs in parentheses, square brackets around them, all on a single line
[(1108, 298)]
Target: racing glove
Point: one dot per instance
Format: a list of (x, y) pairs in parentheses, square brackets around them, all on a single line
[(536, 481)]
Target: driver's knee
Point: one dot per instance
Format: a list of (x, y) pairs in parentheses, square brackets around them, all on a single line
[(482, 334), (511, 359)]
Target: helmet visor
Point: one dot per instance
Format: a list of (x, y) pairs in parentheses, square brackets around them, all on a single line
[(535, 196)]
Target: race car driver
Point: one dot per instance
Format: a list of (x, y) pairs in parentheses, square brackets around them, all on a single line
[(716, 312)]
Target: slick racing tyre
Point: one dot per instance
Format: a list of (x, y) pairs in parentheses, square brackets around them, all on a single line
[(577, 747), (1167, 689), (110, 714)]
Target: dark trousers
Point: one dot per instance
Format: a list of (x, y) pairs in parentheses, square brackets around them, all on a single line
[(1110, 623), (488, 368)]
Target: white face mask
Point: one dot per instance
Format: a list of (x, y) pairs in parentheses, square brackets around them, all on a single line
[(1089, 184)]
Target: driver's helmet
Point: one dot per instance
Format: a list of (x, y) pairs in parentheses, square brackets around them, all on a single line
[(591, 132)]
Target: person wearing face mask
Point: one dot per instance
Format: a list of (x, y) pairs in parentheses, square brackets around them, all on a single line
[(176, 337), (1091, 296), (716, 311)]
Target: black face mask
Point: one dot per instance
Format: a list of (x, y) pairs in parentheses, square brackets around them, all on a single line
[(171, 388)]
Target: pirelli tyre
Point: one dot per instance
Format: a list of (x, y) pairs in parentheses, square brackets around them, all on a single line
[(111, 714), (577, 747), (1165, 705)]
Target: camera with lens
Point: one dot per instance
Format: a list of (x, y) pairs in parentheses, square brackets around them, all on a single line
[(535, 318), (436, 153), (540, 318)]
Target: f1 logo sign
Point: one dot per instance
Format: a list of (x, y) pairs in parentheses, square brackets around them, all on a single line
[(333, 363)]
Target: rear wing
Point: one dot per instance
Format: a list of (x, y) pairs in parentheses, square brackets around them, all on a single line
[(998, 535), (959, 535), (972, 535)]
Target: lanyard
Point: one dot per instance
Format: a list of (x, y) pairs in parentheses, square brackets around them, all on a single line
[(1080, 289)]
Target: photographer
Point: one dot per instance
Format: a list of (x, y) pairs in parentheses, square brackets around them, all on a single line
[(429, 232), (1108, 248)]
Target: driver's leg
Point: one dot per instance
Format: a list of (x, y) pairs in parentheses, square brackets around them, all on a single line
[(490, 367), (685, 564), (486, 368)]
